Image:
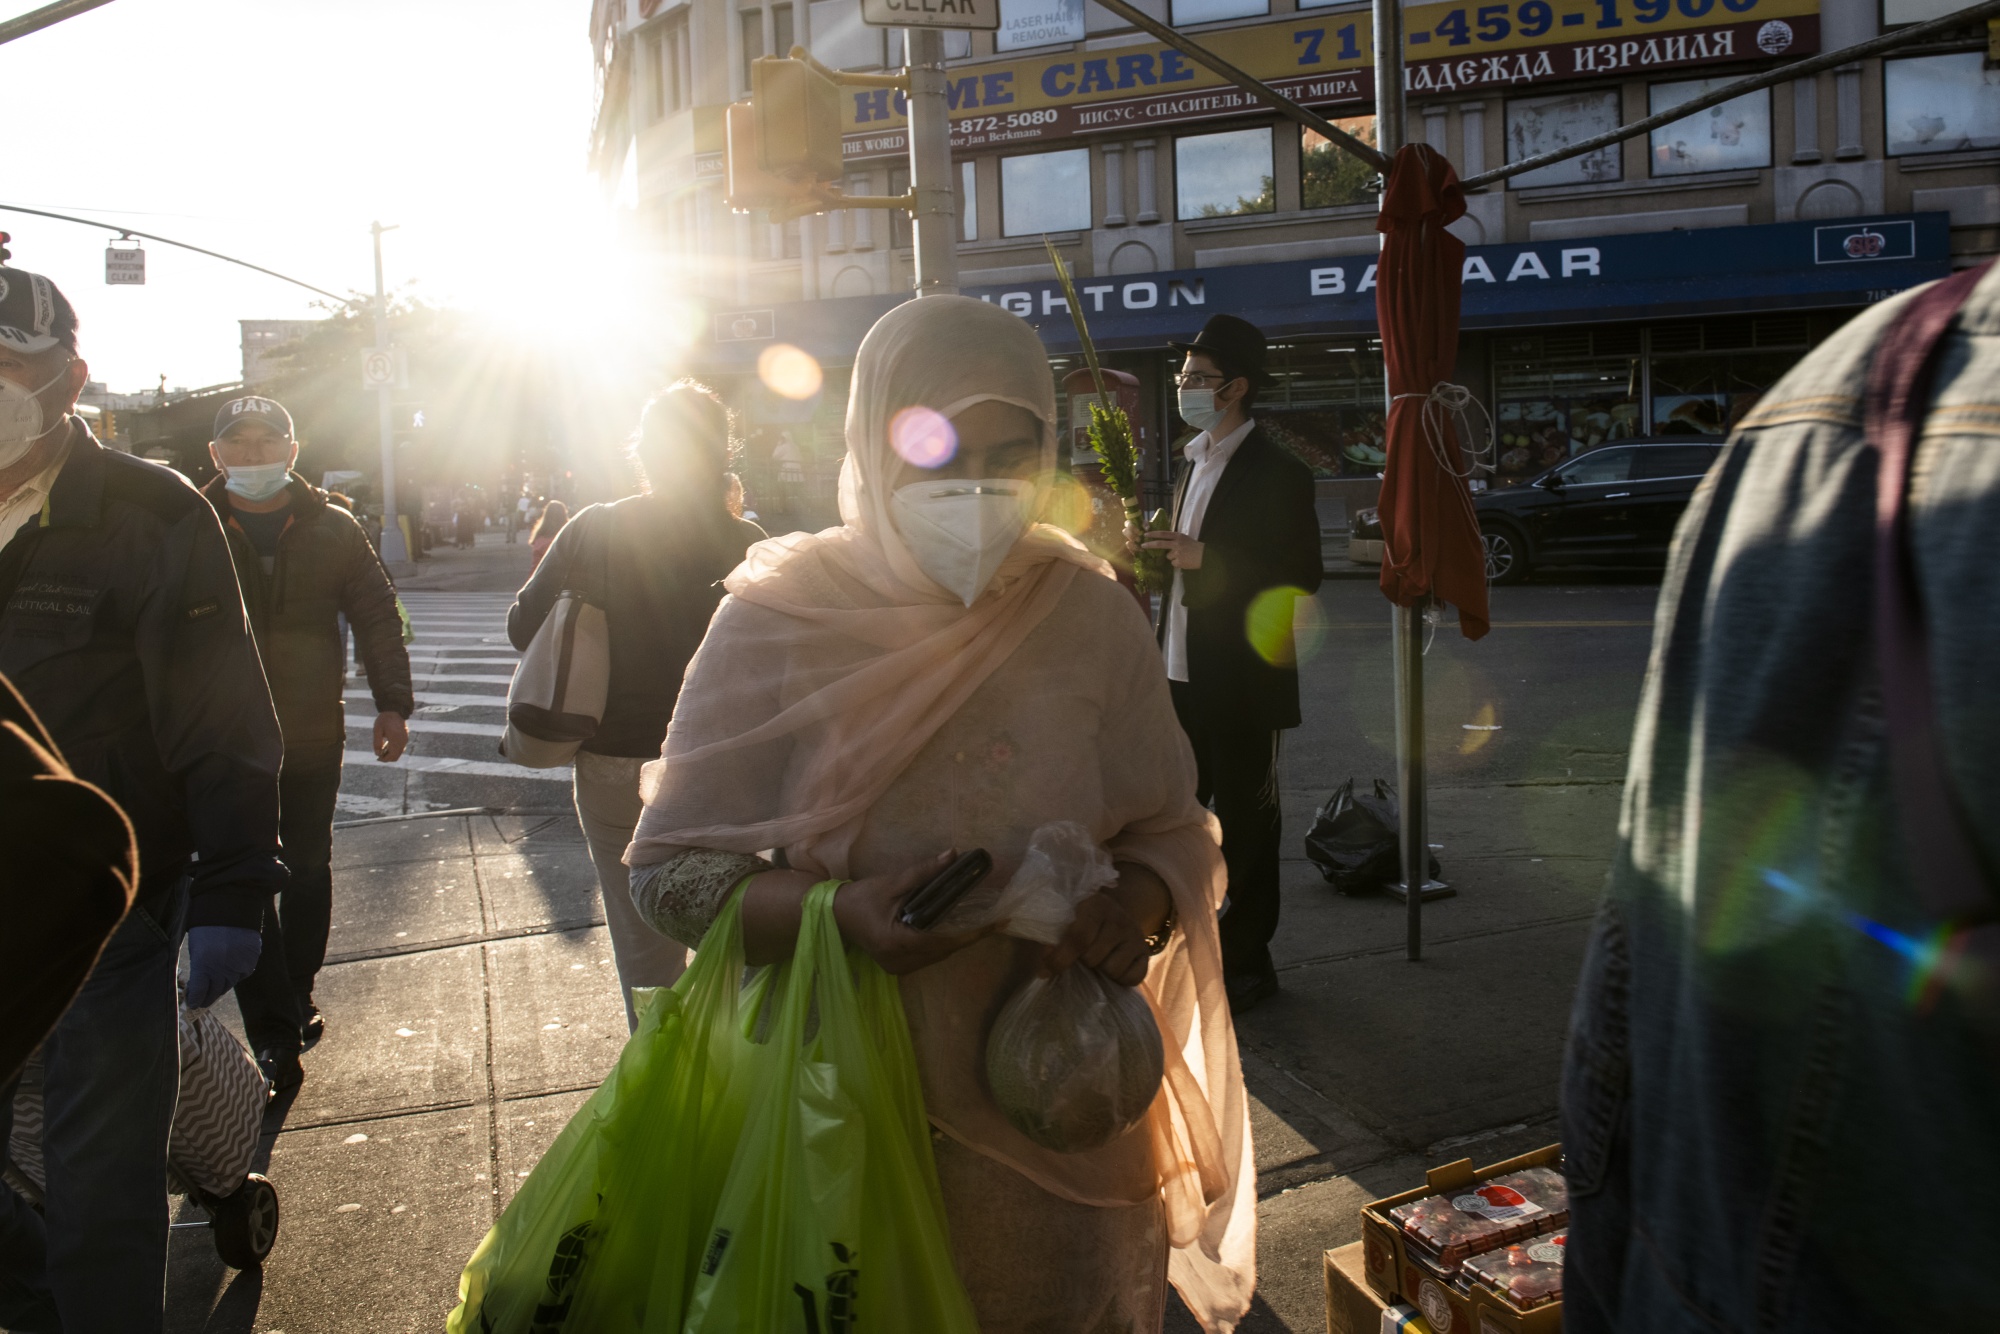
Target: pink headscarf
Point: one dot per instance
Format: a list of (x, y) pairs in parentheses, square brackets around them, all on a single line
[(825, 673)]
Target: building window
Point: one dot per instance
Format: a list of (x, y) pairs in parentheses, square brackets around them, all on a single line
[(1214, 11), (1330, 177), (781, 29), (1221, 175), (1902, 13), (1026, 23), (968, 201), (669, 69), (841, 39), (1733, 136), (1940, 104), (1537, 125), (957, 46), (1045, 192), (752, 21)]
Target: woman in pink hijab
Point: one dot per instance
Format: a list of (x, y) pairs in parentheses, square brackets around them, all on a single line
[(940, 672)]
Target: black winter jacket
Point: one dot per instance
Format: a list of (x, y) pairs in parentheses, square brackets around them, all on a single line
[(658, 575), (325, 567), (1260, 532), (122, 626)]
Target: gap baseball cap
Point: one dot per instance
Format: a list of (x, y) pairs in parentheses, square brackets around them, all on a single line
[(253, 408), (34, 314)]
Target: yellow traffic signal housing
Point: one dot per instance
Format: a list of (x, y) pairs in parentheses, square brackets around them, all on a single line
[(798, 120), (748, 184)]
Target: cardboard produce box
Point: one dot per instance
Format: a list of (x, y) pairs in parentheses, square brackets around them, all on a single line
[(1399, 1270)]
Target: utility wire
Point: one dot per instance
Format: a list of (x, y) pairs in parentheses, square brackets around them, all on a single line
[(165, 240)]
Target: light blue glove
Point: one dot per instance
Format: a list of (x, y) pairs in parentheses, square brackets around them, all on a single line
[(218, 958)]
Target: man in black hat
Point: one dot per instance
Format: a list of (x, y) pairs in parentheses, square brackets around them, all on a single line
[(303, 562), (1244, 546), (121, 626)]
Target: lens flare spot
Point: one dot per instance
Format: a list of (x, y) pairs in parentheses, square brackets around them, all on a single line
[(924, 438), (1479, 731), (1284, 625), (1065, 503), (788, 371)]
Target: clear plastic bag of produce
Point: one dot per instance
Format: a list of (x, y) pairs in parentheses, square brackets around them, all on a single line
[(1073, 1060)]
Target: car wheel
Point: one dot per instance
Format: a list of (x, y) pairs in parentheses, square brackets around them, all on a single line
[(1506, 555)]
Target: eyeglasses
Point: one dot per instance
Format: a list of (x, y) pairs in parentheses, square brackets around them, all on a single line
[(1195, 379)]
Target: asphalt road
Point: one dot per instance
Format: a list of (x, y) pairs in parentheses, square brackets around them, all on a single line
[(471, 1004)]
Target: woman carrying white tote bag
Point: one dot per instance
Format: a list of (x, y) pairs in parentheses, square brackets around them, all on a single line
[(556, 699)]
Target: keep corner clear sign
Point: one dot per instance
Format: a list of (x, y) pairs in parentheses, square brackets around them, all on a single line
[(981, 14), (1325, 60)]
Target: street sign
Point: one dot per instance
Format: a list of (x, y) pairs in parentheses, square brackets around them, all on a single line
[(124, 266), (383, 368), (982, 14)]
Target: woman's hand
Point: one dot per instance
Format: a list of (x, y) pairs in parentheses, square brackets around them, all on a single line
[(867, 911), (1104, 936)]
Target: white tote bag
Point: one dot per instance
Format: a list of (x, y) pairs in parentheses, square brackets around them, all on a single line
[(556, 699)]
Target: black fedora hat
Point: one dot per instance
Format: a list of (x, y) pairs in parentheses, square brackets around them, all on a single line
[(1232, 343)]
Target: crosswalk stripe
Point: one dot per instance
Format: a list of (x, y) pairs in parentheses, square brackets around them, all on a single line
[(456, 678), (435, 697), (439, 764), (433, 725)]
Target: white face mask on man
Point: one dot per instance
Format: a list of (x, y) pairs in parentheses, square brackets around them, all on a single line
[(21, 420), (959, 532), (1197, 408), (258, 481)]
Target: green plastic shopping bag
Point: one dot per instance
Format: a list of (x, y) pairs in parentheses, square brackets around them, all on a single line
[(831, 1221), (599, 1237)]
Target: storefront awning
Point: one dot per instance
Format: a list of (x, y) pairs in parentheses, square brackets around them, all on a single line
[(1584, 280)]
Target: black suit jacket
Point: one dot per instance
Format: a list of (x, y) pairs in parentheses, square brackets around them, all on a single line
[(1261, 532)]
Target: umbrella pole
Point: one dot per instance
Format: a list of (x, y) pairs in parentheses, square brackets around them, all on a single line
[(1407, 623)]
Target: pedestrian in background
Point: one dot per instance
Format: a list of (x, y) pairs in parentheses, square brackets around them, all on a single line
[(1778, 1058), (654, 562), (1245, 535), (122, 628), (304, 564), (554, 515)]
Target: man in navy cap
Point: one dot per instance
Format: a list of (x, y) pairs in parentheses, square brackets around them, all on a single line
[(1245, 545), (122, 627), (303, 562)]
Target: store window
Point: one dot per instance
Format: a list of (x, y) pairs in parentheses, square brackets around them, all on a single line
[(1940, 104), (1045, 192), (1324, 404), (1537, 125), (1559, 394), (1734, 136), (1330, 177), (968, 201), (1029, 23), (1214, 11), (1709, 393), (1222, 175)]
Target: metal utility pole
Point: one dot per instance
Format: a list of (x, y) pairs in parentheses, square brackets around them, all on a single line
[(934, 209), (1407, 623), (47, 16), (395, 551)]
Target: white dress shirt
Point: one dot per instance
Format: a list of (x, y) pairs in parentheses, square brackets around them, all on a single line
[(1209, 457), (26, 503)]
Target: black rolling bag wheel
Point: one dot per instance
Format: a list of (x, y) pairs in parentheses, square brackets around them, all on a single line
[(246, 1222)]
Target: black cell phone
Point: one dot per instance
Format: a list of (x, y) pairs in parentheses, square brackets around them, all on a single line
[(925, 908)]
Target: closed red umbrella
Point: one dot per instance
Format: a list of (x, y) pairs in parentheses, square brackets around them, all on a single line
[(1430, 535)]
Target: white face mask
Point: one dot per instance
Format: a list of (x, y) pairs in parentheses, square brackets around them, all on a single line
[(258, 481), (1197, 408), (21, 418), (958, 531)]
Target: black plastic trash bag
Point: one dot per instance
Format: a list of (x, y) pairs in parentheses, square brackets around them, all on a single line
[(1353, 839)]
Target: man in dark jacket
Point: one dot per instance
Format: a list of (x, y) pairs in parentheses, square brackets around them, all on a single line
[(122, 627), (1245, 546), (303, 563)]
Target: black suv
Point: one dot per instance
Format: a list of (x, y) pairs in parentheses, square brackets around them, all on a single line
[(1615, 505)]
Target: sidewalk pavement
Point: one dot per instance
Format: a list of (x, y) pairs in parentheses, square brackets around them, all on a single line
[(471, 1003)]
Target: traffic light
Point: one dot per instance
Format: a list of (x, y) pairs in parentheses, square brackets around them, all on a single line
[(783, 146)]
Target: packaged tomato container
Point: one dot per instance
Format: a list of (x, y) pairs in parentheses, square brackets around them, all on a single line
[(1451, 1226), (1527, 1274)]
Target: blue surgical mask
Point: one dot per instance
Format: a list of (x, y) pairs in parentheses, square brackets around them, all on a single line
[(1197, 408), (258, 481)]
